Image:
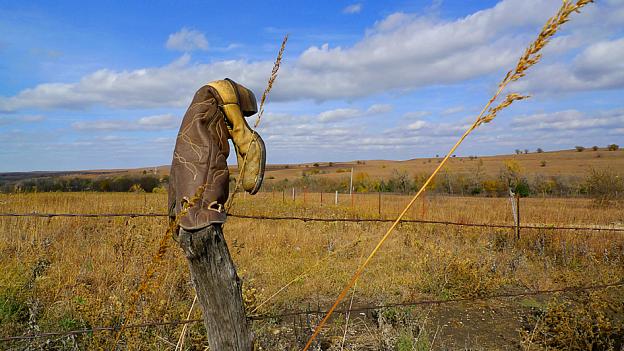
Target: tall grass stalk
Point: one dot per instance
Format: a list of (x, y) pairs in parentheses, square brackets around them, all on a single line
[(265, 94), (530, 57)]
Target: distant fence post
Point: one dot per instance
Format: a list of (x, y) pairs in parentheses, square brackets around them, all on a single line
[(515, 211), (293, 194), (379, 204), (321, 198), (336, 201), (518, 216)]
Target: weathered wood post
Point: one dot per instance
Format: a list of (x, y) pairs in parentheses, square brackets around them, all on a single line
[(198, 194), (218, 288)]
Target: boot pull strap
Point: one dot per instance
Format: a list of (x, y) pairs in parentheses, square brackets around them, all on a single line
[(227, 94)]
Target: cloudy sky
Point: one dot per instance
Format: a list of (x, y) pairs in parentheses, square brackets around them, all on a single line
[(104, 85)]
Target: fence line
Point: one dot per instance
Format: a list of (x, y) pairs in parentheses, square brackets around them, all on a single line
[(321, 219), (319, 312)]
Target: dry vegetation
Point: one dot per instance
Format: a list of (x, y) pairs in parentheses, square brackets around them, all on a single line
[(69, 273)]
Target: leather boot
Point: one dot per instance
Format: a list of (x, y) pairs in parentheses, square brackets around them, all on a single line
[(238, 102)]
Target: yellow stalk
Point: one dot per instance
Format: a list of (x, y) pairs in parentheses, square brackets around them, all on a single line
[(530, 57)]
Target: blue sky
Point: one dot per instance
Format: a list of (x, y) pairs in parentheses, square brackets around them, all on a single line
[(105, 84)]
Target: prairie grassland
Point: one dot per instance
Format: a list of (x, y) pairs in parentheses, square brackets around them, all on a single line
[(70, 273)]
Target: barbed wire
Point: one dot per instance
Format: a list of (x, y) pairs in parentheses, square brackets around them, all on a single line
[(283, 314), (321, 219)]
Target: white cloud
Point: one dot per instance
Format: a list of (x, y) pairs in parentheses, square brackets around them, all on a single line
[(157, 122), (187, 40), (417, 125), (570, 120), (452, 110), (10, 119), (341, 114), (379, 109), (401, 52), (599, 66), (338, 114), (353, 8), (416, 114)]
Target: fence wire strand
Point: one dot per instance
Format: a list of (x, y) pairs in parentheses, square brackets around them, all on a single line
[(326, 219), (319, 312)]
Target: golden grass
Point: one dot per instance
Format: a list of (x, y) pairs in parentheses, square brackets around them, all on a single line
[(531, 57), (96, 264)]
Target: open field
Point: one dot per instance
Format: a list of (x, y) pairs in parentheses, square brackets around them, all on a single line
[(552, 163), (72, 273), (566, 162)]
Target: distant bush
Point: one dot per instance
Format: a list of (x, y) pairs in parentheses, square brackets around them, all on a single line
[(542, 163), (117, 184), (136, 188), (613, 147), (539, 150), (604, 186), (580, 148), (310, 172), (595, 148), (522, 188)]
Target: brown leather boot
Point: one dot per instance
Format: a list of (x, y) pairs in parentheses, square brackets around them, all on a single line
[(238, 102)]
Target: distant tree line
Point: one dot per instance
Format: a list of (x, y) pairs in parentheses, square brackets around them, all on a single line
[(604, 184), (147, 183)]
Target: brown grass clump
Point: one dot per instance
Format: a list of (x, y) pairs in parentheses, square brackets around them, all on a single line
[(593, 322)]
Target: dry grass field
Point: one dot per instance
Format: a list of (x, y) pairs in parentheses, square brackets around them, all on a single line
[(551, 163), (61, 274), (565, 162)]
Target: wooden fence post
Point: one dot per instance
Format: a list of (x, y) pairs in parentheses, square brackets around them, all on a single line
[(321, 198), (517, 216), (293, 194), (336, 200), (218, 288), (379, 204)]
